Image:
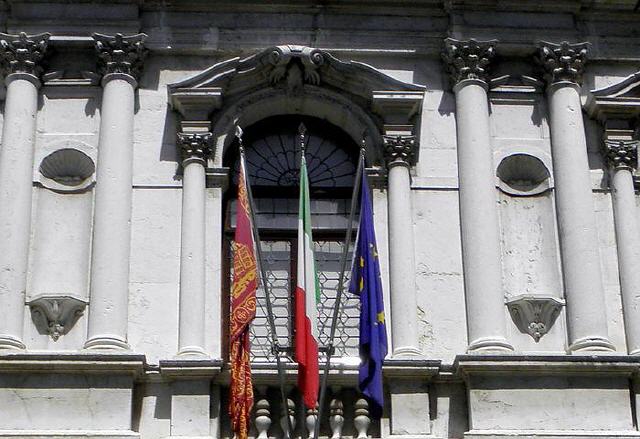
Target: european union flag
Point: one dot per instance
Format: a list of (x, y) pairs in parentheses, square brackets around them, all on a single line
[(366, 283)]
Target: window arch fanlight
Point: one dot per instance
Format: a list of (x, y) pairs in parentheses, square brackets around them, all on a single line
[(273, 162)]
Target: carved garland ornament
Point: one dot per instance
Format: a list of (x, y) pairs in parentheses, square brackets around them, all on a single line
[(22, 53), (468, 59), (120, 54), (563, 62)]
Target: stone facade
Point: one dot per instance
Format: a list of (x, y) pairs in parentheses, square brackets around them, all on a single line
[(501, 144)]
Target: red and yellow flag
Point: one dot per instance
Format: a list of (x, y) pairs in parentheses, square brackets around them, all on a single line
[(243, 310)]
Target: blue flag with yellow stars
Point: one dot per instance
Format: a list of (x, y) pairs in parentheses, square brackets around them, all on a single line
[(366, 283)]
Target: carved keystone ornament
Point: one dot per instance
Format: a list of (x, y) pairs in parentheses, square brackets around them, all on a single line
[(534, 315)]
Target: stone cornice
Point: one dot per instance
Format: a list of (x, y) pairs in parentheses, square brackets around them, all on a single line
[(562, 62), (120, 54), (621, 153), (617, 101), (468, 59), (22, 53), (195, 146)]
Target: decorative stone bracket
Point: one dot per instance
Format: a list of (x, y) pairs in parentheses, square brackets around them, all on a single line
[(56, 315), (534, 315)]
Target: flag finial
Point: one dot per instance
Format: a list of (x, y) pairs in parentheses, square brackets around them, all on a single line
[(302, 130), (239, 133)]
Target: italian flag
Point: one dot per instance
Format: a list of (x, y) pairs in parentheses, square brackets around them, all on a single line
[(307, 296)]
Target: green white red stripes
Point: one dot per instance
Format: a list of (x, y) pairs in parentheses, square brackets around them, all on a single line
[(307, 295)]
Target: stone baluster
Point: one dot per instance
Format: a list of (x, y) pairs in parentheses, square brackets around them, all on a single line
[(404, 318), (195, 149), (362, 418), (622, 158), (467, 63), (336, 418), (20, 58), (119, 62), (312, 415), (586, 317), (291, 412), (263, 417)]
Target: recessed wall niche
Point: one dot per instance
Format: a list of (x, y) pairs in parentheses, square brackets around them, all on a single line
[(522, 174), (65, 175), (68, 167), (530, 258)]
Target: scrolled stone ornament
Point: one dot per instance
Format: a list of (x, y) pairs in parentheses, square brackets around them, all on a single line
[(621, 153), (281, 58), (469, 59), (120, 53), (562, 62), (195, 145), (399, 148), (22, 53)]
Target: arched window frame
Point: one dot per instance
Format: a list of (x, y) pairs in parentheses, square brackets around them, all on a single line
[(362, 101)]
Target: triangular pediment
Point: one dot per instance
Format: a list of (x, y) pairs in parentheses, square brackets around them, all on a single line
[(620, 100)]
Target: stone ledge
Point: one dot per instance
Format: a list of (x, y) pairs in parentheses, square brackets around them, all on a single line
[(190, 369), (62, 362), (267, 374), (546, 364), (411, 368), (76, 434), (550, 434)]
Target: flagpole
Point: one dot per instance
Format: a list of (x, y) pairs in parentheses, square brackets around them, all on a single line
[(338, 300), (263, 280)]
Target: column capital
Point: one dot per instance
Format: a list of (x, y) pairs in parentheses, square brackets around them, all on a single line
[(621, 153), (562, 62), (120, 54), (399, 149), (195, 146), (468, 59), (22, 53)]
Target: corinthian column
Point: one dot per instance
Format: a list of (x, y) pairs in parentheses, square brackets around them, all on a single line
[(584, 291), (622, 158), (195, 148), (119, 61), (467, 62), (404, 317), (20, 56)]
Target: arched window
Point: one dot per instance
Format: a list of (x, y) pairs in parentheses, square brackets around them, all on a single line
[(273, 162)]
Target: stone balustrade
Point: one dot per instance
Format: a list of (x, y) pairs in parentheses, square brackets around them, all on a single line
[(346, 414)]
